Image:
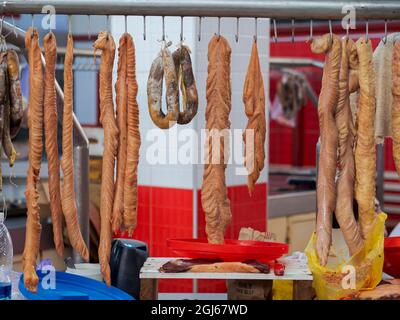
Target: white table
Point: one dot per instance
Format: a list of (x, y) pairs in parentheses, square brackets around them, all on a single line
[(150, 274)]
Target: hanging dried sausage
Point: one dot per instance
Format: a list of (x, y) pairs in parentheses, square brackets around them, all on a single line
[(35, 123), (214, 198), (365, 156), (185, 76), (162, 66), (68, 193), (133, 142), (16, 105), (121, 102), (330, 45), (254, 101), (345, 180), (51, 143), (105, 42)]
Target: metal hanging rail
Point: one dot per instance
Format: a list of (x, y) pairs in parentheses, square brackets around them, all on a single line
[(295, 9), (16, 36)]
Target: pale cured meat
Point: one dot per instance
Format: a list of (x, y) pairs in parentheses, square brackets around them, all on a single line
[(345, 181), (396, 105), (51, 144), (214, 196), (365, 156), (330, 45), (105, 42), (133, 142), (35, 123), (254, 101), (121, 102), (68, 193)]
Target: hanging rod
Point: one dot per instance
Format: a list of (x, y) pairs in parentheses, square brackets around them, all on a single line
[(295, 9)]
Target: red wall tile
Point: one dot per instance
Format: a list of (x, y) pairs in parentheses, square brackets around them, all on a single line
[(164, 213), (247, 211)]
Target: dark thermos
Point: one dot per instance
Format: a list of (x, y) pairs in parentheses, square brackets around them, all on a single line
[(126, 260)]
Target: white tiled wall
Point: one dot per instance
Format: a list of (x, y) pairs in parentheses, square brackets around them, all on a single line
[(180, 175), (239, 61)]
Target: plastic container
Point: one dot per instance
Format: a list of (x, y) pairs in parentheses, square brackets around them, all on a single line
[(392, 256), (71, 287), (6, 260), (231, 250), (88, 270)]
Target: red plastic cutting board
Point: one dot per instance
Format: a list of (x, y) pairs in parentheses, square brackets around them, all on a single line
[(231, 250)]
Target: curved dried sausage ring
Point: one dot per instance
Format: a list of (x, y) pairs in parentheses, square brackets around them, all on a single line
[(163, 65), (16, 105), (184, 72)]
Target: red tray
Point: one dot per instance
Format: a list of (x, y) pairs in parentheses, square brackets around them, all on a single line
[(231, 250), (392, 256)]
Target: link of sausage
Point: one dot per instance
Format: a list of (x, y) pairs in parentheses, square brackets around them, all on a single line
[(162, 66), (185, 76)]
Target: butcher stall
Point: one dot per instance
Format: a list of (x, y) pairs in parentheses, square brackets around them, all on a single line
[(199, 150)]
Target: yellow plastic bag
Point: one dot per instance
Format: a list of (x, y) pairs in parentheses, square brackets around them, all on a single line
[(344, 277), (282, 290)]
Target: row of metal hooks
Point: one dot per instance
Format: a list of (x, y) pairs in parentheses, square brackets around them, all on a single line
[(163, 36), (384, 39)]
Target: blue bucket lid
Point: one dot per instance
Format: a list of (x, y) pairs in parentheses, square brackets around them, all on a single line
[(65, 286)]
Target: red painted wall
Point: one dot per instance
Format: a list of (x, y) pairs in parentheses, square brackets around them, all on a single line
[(284, 141)]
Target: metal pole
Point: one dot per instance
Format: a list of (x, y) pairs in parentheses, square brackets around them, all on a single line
[(81, 144), (295, 9), (81, 181)]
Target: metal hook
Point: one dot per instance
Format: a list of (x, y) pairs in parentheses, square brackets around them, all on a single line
[(181, 35), (384, 39), (1, 25), (311, 31), (237, 30), (32, 19), (219, 27), (275, 32), (163, 29), (14, 27), (108, 23), (347, 30), (255, 30), (144, 28), (199, 35), (11, 177), (69, 25), (366, 30), (89, 35), (292, 30), (126, 24)]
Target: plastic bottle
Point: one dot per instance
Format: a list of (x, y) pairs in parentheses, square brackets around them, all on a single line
[(6, 260)]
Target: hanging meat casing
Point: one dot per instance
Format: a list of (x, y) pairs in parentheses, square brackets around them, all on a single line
[(185, 76), (162, 66), (16, 104)]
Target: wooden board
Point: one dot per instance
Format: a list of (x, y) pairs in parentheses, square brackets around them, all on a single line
[(150, 270)]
